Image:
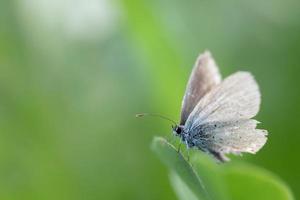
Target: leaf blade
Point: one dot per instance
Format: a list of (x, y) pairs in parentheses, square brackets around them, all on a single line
[(176, 162), (249, 182)]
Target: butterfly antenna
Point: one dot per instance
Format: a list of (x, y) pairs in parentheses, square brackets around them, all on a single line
[(155, 115)]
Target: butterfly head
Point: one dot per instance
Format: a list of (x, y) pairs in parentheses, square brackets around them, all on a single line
[(177, 130)]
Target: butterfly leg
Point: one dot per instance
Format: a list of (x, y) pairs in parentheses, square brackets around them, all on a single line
[(179, 146), (219, 156), (188, 155)]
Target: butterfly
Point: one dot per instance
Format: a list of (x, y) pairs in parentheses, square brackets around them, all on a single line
[(216, 115)]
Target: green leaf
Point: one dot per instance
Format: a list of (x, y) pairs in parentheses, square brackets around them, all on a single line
[(249, 182), (176, 162), (182, 191), (211, 174), (207, 180)]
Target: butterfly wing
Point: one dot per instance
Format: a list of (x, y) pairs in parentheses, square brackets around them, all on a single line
[(220, 138), (205, 75), (221, 120)]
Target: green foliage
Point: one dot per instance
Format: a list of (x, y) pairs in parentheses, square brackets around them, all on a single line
[(177, 163), (204, 179)]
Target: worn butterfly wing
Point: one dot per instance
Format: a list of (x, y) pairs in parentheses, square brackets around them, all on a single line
[(204, 77), (237, 97), (221, 120)]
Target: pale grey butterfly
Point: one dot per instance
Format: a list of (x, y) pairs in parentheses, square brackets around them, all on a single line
[(216, 116)]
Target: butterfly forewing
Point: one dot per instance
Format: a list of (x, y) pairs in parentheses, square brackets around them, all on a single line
[(204, 77), (237, 97)]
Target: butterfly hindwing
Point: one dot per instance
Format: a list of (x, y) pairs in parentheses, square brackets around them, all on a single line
[(220, 138)]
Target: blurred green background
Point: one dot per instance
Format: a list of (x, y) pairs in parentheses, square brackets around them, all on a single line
[(74, 73)]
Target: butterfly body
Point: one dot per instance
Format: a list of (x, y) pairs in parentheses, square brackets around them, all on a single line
[(216, 115), (189, 138)]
